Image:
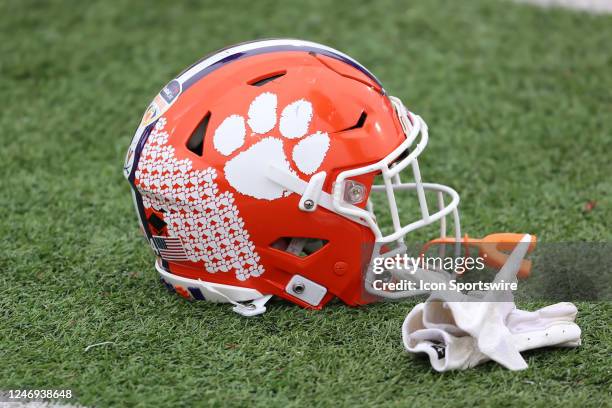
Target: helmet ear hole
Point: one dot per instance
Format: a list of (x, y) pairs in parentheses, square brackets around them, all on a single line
[(195, 143), (301, 247)]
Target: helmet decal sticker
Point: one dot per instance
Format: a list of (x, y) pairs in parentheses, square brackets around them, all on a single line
[(169, 248), (229, 136), (162, 101), (247, 170), (171, 91), (129, 159), (295, 119), (314, 146), (206, 221), (262, 113)]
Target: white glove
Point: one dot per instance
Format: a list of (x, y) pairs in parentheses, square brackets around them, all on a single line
[(549, 326), (450, 348), (445, 350), (488, 329)]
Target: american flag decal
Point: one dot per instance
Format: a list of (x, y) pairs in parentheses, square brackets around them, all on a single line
[(169, 248)]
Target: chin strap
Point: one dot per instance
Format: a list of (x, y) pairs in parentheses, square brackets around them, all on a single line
[(253, 308), (246, 301)]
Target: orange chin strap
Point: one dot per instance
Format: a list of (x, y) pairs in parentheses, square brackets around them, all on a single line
[(491, 248)]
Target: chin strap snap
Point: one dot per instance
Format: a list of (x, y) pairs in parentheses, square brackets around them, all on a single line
[(253, 308), (256, 307)]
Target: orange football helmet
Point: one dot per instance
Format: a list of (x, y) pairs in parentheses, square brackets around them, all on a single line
[(252, 173)]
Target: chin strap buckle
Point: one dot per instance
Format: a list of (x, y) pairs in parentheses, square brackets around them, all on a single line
[(254, 308)]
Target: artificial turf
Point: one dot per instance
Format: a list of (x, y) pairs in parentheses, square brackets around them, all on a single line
[(519, 105)]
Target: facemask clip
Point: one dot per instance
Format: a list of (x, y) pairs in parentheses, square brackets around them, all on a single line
[(312, 194)]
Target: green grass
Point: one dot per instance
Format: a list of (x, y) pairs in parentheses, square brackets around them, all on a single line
[(519, 105)]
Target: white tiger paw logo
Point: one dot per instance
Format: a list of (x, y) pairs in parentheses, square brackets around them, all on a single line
[(246, 170)]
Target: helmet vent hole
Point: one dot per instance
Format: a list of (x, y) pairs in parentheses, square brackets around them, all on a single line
[(359, 124), (261, 81), (298, 246), (195, 143)]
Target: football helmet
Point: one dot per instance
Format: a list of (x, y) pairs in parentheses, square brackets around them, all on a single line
[(253, 174)]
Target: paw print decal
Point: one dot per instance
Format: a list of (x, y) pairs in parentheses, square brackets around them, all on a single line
[(206, 220), (246, 169)]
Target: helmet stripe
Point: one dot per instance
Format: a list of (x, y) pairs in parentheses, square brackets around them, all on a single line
[(220, 58)]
